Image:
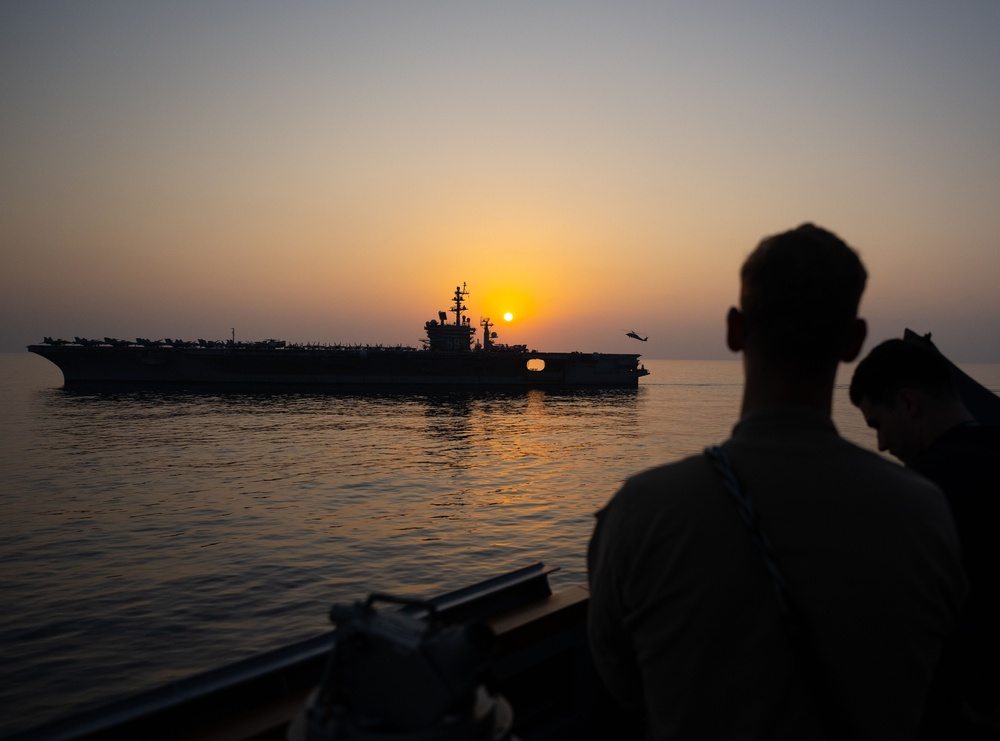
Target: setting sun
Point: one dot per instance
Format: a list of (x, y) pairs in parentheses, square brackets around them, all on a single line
[(508, 316)]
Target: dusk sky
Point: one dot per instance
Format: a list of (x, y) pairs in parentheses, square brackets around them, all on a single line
[(330, 171)]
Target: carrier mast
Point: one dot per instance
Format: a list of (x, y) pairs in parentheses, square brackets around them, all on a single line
[(459, 293)]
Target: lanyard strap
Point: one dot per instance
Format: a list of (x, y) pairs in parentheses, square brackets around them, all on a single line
[(815, 679)]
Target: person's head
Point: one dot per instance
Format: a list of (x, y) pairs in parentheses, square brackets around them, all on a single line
[(907, 394), (799, 298)]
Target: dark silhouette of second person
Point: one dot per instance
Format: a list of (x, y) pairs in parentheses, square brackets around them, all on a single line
[(908, 395), (685, 625)]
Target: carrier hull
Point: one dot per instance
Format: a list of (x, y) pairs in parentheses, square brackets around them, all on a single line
[(333, 368)]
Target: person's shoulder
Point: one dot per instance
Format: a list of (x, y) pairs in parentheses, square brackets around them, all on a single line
[(664, 486), (973, 434), (875, 464), (865, 457), (685, 470), (879, 478), (967, 453), (907, 493)]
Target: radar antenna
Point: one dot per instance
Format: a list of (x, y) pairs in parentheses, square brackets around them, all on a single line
[(460, 293)]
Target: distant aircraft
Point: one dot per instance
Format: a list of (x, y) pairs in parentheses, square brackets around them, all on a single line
[(635, 336)]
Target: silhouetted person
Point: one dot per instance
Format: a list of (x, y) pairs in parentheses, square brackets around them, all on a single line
[(684, 622), (907, 394)]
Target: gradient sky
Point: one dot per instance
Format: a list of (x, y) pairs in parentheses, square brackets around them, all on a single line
[(329, 171)]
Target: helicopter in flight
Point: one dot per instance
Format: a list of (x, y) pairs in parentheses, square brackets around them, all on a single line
[(635, 336)]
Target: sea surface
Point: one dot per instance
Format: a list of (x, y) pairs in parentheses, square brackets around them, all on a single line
[(145, 537)]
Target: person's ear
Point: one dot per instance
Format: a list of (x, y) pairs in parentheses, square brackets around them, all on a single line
[(909, 403), (734, 329), (855, 340)]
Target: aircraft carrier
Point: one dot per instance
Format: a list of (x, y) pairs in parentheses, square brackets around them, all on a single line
[(452, 356)]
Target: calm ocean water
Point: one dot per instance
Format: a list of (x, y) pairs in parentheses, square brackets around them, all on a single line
[(145, 537)]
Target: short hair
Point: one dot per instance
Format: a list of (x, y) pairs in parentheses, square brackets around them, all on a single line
[(800, 294), (897, 364)]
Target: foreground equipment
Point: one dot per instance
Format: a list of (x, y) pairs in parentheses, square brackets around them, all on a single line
[(396, 675)]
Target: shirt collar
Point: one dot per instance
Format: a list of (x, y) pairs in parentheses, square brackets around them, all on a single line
[(780, 417)]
